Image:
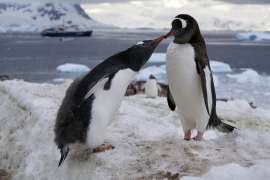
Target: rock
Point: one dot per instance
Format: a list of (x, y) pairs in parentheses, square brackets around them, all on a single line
[(4, 175), (4, 77)]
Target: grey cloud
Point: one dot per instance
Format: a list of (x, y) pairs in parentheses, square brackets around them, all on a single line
[(247, 1)]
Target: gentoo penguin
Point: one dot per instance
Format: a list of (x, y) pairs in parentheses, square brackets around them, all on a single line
[(191, 86), (151, 87), (90, 102)]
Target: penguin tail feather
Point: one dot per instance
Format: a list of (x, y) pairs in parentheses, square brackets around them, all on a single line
[(217, 123), (64, 152), (226, 128)]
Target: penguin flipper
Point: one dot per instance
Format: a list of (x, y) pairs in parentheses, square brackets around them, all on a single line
[(64, 152), (170, 100), (201, 72)]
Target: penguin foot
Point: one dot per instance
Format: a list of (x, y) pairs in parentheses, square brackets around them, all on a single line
[(103, 148), (187, 135), (198, 137)]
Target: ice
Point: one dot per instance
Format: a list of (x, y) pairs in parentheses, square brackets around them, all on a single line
[(146, 134), (220, 67), (158, 71), (157, 58), (254, 36), (217, 66), (72, 68), (248, 76), (258, 171)]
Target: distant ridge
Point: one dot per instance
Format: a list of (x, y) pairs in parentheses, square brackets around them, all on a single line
[(35, 17)]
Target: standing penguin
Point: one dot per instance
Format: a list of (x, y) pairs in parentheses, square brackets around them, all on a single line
[(90, 102), (151, 87), (191, 86)]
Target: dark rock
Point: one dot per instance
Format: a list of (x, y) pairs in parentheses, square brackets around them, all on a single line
[(4, 77)]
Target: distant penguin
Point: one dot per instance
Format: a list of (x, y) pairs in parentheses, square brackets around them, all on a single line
[(191, 86), (151, 87), (90, 102)]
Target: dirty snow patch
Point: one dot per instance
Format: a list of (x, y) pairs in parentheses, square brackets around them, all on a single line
[(259, 171)]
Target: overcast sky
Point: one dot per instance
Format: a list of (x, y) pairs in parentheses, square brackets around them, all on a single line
[(158, 13)]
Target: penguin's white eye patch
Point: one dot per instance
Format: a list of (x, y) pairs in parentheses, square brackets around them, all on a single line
[(184, 22), (140, 43)]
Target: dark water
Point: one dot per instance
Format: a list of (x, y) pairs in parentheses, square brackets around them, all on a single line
[(34, 58)]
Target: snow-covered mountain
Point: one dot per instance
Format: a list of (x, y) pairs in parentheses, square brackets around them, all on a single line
[(35, 17)]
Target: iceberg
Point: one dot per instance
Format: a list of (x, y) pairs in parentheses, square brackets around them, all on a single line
[(72, 68), (253, 36)]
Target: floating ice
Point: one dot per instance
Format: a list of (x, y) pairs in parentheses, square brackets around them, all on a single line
[(72, 68), (157, 58), (256, 36), (158, 71), (220, 67), (249, 75)]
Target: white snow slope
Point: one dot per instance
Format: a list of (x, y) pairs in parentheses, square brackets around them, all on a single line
[(146, 134), (35, 17)]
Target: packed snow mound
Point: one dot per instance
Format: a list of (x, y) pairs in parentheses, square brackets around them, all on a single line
[(35, 17), (146, 134), (72, 68), (253, 36), (248, 76)]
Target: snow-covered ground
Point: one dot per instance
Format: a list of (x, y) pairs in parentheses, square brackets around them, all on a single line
[(146, 134)]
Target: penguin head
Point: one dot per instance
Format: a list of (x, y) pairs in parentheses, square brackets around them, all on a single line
[(184, 29), (140, 53)]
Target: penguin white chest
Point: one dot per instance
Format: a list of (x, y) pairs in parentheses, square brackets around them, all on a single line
[(185, 86), (151, 88), (106, 104)]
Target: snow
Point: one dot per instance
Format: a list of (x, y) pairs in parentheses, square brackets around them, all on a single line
[(258, 171), (158, 71), (253, 36), (72, 68), (248, 76), (146, 134), (157, 58)]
